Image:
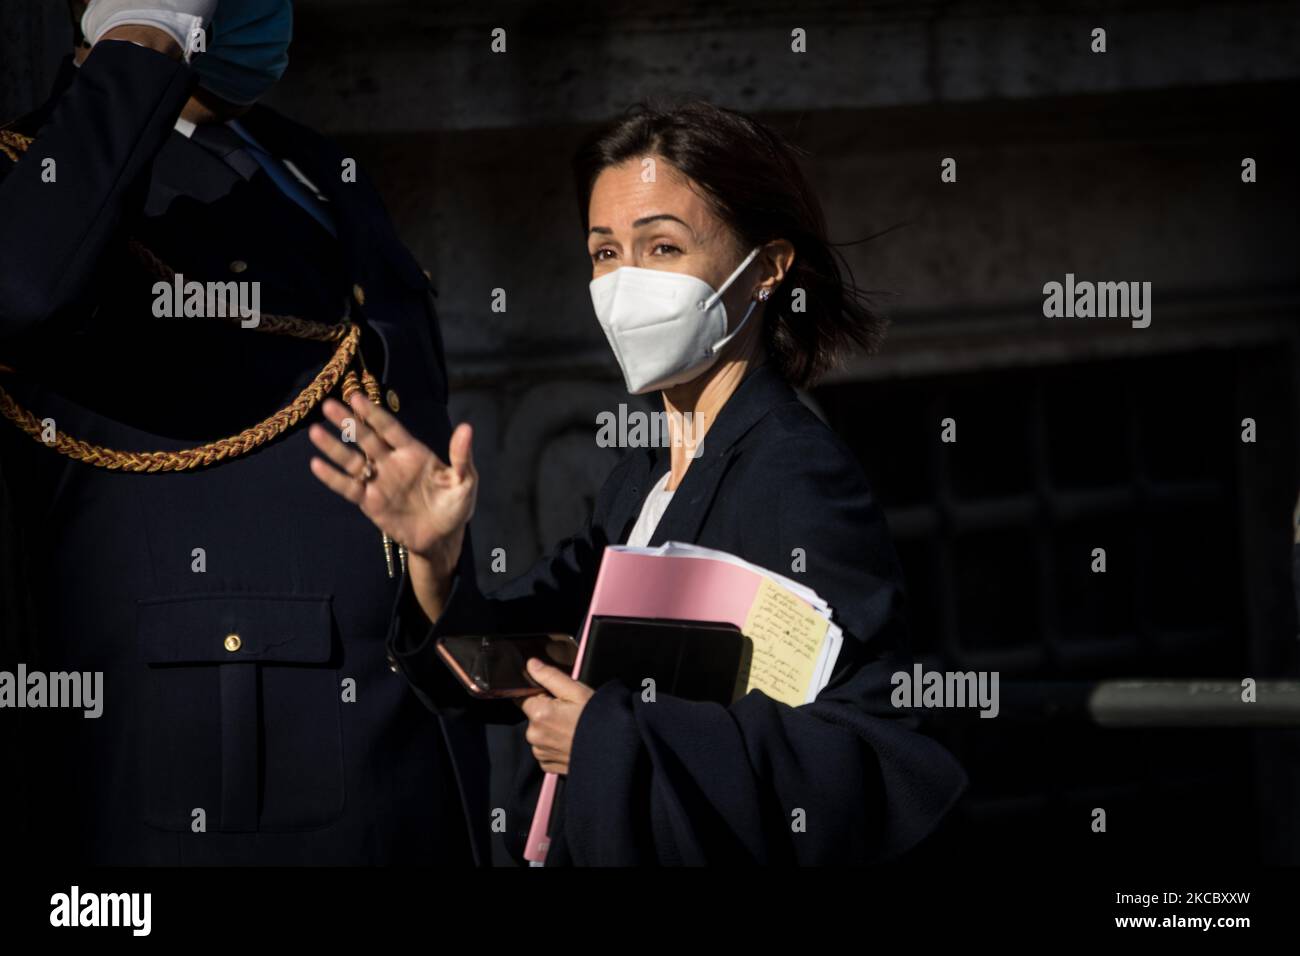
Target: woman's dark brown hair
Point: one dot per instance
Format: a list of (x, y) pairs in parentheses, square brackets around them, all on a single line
[(750, 176)]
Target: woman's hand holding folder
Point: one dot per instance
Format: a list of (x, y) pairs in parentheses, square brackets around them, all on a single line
[(553, 716)]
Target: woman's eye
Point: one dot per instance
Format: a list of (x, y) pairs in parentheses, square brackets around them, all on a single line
[(601, 255), (663, 249)]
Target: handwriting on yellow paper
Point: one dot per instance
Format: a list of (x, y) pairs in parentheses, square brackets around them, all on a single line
[(787, 635)]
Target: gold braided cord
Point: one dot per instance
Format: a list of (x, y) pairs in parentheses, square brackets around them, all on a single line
[(13, 144), (202, 455), (337, 369)]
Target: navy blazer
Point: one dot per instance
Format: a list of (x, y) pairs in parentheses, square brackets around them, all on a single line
[(680, 782)]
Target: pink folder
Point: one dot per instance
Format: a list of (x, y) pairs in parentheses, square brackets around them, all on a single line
[(643, 585)]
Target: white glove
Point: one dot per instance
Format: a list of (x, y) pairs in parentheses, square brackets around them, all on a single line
[(180, 19)]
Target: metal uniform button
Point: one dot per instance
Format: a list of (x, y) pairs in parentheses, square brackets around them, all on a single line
[(393, 401), (239, 265), (233, 643), (359, 294)]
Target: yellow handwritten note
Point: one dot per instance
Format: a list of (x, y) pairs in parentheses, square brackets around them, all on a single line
[(787, 635)]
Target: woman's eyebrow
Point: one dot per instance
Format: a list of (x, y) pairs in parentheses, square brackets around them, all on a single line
[(643, 221)]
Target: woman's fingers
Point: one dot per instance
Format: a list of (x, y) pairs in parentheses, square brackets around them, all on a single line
[(534, 705), (550, 722), (388, 428), (549, 754), (348, 488), (379, 433), (549, 748), (540, 733), (548, 734), (354, 429), (461, 451), (350, 461), (557, 683)]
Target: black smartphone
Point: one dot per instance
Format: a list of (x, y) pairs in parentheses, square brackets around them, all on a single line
[(495, 665)]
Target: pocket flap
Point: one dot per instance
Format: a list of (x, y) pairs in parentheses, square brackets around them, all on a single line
[(227, 629)]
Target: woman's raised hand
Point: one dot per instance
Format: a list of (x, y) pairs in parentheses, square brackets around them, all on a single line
[(397, 481)]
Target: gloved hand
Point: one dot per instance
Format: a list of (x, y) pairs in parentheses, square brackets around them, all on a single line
[(179, 19)]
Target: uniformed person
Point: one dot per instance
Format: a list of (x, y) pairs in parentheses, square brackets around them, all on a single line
[(169, 532)]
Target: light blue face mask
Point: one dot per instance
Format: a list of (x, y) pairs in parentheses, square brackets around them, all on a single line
[(248, 50)]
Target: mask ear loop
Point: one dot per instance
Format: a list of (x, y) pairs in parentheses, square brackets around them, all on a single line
[(708, 303), (722, 342)]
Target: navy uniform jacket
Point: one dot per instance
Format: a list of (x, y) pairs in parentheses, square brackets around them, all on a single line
[(680, 782), (263, 740)]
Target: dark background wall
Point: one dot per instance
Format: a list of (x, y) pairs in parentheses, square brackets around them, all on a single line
[(1071, 435)]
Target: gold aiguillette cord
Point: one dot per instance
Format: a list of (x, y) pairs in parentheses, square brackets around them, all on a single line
[(346, 369)]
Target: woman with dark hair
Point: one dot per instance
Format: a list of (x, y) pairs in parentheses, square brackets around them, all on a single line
[(715, 284)]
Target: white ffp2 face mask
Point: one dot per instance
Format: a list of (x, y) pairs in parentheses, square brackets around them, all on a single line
[(665, 328)]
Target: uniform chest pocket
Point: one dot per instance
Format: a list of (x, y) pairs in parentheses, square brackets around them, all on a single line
[(239, 713)]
